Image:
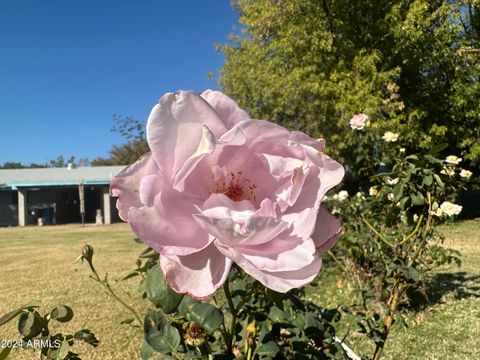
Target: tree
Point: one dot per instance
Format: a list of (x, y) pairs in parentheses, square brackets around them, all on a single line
[(133, 131), (411, 65)]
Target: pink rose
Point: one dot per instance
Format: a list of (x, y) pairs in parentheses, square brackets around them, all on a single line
[(220, 188), (358, 121)]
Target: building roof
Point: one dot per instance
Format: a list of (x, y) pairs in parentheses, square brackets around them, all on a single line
[(95, 175)]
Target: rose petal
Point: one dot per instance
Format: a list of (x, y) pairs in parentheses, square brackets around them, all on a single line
[(150, 186), (169, 227), (293, 173), (281, 281), (198, 275), (256, 230), (327, 230), (226, 108), (174, 129), (280, 254), (238, 222), (205, 147), (126, 184)]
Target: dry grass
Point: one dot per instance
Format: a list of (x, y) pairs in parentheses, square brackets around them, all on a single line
[(38, 263)]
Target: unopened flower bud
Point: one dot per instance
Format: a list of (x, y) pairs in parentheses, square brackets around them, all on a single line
[(87, 252)]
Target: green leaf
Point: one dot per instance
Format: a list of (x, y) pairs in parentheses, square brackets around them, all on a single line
[(428, 180), (413, 274), (417, 199), (159, 293), (438, 180), (268, 349), (186, 305), (398, 191), (277, 315), (87, 336), (403, 201), (159, 335), (146, 351), (30, 324), (207, 316), (12, 314), (129, 275), (62, 351), (437, 149), (62, 313), (4, 353), (432, 159)]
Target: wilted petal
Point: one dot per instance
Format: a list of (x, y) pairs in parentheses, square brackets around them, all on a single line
[(126, 184), (327, 230), (198, 275)]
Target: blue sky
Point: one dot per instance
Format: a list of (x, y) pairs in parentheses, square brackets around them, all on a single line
[(66, 66)]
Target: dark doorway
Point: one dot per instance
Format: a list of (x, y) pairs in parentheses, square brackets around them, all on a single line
[(92, 203)]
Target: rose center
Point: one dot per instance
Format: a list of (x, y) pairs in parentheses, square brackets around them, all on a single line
[(236, 187)]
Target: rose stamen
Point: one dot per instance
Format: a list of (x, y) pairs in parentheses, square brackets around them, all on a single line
[(236, 187)]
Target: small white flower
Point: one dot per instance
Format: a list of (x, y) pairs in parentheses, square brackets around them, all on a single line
[(391, 181), (452, 159), (465, 173), (340, 196), (335, 210), (390, 196), (390, 136), (343, 195), (415, 217), (447, 171), (402, 150), (438, 212), (450, 209), (373, 191), (360, 195), (358, 121)]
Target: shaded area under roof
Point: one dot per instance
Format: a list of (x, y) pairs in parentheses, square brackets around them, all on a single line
[(11, 179)]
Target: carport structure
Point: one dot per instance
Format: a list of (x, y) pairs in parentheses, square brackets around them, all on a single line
[(55, 195)]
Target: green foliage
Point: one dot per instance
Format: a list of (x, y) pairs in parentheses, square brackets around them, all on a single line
[(390, 243), (246, 318), (135, 146), (159, 293), (35, 331), (411, 65)]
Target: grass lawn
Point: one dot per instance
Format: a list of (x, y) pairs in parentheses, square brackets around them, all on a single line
[(448, 327), (38, 263)]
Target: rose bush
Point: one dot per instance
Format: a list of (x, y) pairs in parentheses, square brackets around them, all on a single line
[(220, 188)]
